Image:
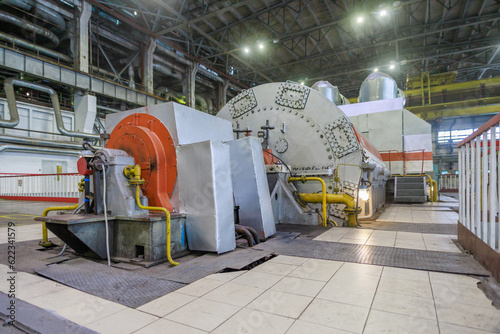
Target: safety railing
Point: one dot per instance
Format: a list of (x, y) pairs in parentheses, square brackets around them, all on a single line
[(391, 156), (479, 191), (40, 187), (448, 183)]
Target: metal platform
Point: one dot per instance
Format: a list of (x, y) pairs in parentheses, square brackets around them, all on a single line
[(127, 288), (383, 256), (427, 228)]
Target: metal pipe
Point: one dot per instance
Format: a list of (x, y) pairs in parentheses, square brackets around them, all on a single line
[(45, 236), (254, 233), (11, 103), (246, 233), (304, 179), (172, 54), (38, 142), (9, 147), (167, 71), (33, 47), (21, 23), (25, 5), (10, 82), (51, 16), (346, 199), (134, 174)]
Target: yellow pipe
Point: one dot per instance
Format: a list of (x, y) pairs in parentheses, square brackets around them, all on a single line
[(135, 173), (45, 235), (347, 200), (323, 191)]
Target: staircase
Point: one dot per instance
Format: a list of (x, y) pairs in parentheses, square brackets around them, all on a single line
[(409, 189)]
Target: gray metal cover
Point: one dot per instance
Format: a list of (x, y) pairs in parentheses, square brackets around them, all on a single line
[(378, 86), (251, 190), (206, 195)]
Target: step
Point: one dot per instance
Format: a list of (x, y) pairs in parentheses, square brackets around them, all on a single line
[(410, 179), (410, 199), (410, 192), (420, 185)]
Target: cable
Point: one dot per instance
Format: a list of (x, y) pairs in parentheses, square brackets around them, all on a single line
[(105, 212)]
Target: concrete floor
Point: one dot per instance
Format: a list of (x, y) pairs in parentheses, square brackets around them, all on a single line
[(294, 294)]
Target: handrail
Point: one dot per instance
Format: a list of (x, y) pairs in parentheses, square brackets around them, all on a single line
[(483, 128), (403, 153)]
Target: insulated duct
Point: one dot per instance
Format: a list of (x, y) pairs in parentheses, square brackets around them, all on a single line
[(25, 5), (38, 142), (165, 70), (9, 147), (32, 47), (23, 24), (11, 101)]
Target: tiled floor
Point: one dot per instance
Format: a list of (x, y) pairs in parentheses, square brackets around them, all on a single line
[(294, 295), (25, 232), (434, 213), (422, 241)]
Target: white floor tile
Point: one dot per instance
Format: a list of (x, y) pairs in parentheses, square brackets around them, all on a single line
[(281, 303), (226, 277), (299, 286), (167, 326), (406, 274), (122, 322), (203, 314), (320, 270), (302, 327), (293, 260), (483, 318), (337, 315), (249, 321), (90, 310), (406, 287), (403, 304), (275, 268), (234, 294), (200, 287), (385, 322), (166, 304), (257, 279)]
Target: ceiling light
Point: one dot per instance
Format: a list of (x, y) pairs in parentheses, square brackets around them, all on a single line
[(261, 46), (246, 50), (302, 83), (383, 12), (28, 94), (275, 41), (135, 12), (375, 69), (360, 19), (391, 67)]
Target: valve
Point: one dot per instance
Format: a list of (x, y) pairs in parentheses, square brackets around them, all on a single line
[(265, 133), (134, 174)]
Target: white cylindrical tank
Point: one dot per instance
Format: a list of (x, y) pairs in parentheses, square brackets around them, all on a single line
[(378, 86)]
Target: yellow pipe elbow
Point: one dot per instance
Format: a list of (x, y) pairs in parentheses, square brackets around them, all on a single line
[(155, 208), (323, 192), (45, 234)]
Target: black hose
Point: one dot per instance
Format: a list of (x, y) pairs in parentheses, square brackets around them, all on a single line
[(246, 233), (254, 233), (282, 162)]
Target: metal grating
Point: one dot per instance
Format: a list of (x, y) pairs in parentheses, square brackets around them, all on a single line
[(127, 288), (377, 255)]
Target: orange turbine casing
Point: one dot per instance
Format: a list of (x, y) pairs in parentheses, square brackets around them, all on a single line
[(146, 138)]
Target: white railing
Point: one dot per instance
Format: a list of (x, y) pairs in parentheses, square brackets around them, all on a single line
[(479, 191), (448, 182), (39, 185)]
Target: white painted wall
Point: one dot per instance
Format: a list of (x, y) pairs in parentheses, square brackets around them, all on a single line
[(34, 117)]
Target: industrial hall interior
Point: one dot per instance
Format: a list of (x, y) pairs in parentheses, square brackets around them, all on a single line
[(249, 167)]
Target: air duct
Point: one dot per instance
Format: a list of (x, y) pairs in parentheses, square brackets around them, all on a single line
[(165, 70), (11, 101), (32, 47), (21, 148)]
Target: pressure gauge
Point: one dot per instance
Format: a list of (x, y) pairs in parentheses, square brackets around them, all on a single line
[(281, 145)]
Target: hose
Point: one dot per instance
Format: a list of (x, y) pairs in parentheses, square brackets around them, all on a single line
[(246, 233), (254, 233)]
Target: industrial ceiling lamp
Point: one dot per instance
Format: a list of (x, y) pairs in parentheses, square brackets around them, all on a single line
[(360, 19)]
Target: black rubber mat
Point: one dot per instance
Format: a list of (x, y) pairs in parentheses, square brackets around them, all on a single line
[(195, 269), (127, 288), (426, 228), (377, 255)]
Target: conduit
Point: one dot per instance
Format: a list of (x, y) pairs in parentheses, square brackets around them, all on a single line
[(38, 142), (8, 147), (246, 233)]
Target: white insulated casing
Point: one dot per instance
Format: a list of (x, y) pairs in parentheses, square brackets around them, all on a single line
[(206, 195), (250, 186)]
